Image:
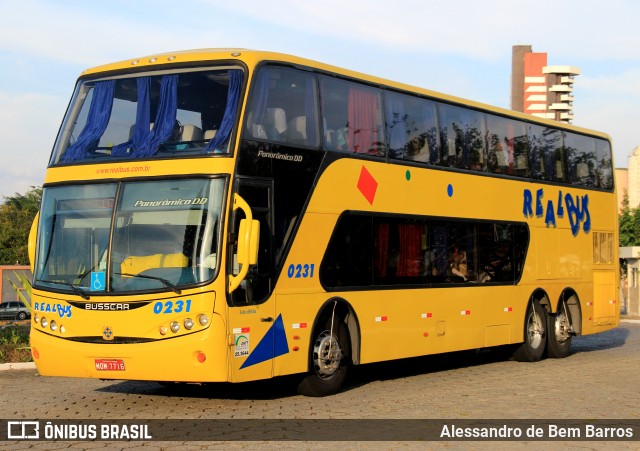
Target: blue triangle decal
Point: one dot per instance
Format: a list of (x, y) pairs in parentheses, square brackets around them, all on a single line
[(273, 344)]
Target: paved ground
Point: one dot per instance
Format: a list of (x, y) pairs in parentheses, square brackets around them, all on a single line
[(599, 381)]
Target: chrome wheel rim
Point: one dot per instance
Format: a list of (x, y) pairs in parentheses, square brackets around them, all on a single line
[(326, 355)]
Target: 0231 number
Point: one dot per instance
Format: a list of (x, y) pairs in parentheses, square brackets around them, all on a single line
[(301, 271)]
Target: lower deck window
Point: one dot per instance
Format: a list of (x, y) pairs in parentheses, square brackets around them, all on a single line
[(383, 251)]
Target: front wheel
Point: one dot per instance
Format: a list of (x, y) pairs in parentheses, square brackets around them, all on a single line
[(330, 358), (535, 340), (22, 315), (560, 333)]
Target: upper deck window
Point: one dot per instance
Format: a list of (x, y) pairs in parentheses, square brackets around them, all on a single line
[(283, 107), (159, 115)]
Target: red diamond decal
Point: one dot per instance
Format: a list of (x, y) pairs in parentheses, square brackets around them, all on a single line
[(367, 185)]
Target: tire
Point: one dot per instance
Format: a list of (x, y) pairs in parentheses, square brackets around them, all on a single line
[(559, 333), (535, 323), (22, 315), (330, 360)]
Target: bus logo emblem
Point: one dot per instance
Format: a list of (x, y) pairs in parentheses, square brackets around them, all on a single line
[(107, 333)]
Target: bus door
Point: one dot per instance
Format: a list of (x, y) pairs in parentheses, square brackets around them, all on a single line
[(252, 320)]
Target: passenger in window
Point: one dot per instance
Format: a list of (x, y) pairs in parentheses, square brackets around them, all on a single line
[(417, 149), (476, 161), (458, 263)]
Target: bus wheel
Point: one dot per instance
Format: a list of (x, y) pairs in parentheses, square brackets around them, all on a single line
[(560, 333), (330, 357), (535, 325)]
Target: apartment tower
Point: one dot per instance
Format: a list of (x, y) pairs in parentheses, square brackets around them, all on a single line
[(539, 89)]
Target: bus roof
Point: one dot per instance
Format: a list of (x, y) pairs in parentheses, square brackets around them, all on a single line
[(254, 57)]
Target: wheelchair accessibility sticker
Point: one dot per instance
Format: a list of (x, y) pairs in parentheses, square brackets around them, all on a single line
[(97, 281)]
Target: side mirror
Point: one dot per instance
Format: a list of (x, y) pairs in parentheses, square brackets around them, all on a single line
[(248, 242), (31, 243)]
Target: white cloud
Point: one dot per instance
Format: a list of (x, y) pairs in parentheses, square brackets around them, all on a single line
[(476, 29), (29, 123), (79, 35), (610, 103)]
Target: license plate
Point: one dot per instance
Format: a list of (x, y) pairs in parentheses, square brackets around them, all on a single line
[(109, 365)]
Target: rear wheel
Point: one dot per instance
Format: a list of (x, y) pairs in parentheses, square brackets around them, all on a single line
[(330, 358), (22, 315), (535, 340), (560, 333)]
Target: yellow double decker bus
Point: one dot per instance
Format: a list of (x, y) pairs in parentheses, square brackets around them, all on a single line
[(232, 215)]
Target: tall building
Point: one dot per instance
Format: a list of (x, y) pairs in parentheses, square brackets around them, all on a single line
[(539, 89)]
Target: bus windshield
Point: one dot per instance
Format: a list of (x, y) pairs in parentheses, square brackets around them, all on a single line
[(129, 236), (150, 115)]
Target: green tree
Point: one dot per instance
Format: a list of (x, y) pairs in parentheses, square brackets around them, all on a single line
[(629, 223), (16, 216)]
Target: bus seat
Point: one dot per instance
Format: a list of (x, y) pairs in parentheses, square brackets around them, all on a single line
[(191, 133), (559, 171), (297, 131), (133, 127), (275, 123), (582, 171), (210, 134), (521, 162), (137, 264)]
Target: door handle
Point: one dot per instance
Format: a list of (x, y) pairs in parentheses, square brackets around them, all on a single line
[(268, 319)]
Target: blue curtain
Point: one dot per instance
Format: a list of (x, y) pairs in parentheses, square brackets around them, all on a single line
[(165, 118), (230, 111), (141, 130), (97, 120)]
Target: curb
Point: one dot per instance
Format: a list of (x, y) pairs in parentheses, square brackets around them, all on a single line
[(18, 366)]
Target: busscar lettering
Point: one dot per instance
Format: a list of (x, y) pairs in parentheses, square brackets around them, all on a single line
[(106, 306), (575, 208)]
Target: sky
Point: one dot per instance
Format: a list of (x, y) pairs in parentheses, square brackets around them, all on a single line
[(459, 47)]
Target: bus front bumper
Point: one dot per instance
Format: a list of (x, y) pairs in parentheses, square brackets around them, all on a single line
[(197, 357)]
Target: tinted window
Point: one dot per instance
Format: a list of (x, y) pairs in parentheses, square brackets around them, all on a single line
[(547, 153), (283, 107), (508, 147), (400, 251), (580, 153), (352, 117), (604, 165), (412, 128), (462, 137)]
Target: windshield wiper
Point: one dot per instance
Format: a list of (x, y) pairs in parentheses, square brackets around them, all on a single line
[(75, 289), (164, 281)]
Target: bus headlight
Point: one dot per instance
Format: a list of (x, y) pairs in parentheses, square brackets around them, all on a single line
[(175, 327), (188, 323), (203, 319), (44, 322), (53, 326)]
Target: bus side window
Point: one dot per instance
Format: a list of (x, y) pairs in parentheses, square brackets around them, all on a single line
[(353, 117), (283, 107)]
